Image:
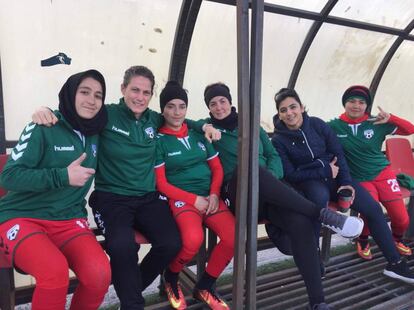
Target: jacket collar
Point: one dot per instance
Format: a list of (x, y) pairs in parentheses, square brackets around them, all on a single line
[(183, 132), (351, 121)]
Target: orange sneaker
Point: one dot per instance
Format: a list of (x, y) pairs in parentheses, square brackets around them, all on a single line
[(364, 253), (403, 249), (176, 303), (210, 298)]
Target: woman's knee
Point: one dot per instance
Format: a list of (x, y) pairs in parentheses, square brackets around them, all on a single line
[(121, 242), (169, 246), (122, 253), (54, 275), (191, 243), (228, 243), (300, 224), (96, 275), (228, 238), (316, 192), (89, 262)]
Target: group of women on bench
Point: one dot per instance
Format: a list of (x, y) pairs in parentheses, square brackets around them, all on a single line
[(141, 156)]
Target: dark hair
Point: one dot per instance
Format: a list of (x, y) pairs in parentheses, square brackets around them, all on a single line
[(284, 93), (138, 71), (216, 89)]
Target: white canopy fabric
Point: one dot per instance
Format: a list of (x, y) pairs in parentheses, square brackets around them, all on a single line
[(112, 35)]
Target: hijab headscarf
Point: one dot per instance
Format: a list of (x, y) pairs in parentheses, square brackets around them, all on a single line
[(67, 94)]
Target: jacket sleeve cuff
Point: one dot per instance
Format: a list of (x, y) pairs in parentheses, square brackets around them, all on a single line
[(344, 181), (327, 171), (64, 176)]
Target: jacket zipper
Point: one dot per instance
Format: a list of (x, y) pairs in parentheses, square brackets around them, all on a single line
[(307, 144)]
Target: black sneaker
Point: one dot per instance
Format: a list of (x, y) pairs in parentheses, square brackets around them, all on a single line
[(345, 226), (399, 271), (321, 306)]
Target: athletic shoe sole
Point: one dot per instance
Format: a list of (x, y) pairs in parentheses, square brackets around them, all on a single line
[(356, 233), (396, 276)]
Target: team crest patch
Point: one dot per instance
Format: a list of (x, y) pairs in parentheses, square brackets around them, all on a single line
[(179, 204), (150, 132), (201, 146), (94, 150), (369, 133), (12, 232)]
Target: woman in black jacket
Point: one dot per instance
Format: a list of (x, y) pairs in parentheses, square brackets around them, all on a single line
[(314, 163)]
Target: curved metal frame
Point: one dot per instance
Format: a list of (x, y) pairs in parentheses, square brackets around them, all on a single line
[(386, 60), (179, 55), (323, 17), (2, 123), (313, 31), (183, 35)]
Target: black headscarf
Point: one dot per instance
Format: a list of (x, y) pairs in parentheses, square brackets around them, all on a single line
[(67, 94), (230, 122)]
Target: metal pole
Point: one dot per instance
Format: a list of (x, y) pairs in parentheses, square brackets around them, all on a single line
[(255, 96), (243, 159), (2, 122)]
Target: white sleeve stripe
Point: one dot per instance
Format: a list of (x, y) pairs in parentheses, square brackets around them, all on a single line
[(29, 127), (393, 132), (21, 145), (16, 156), (210, 158), (24, 137), (159, 165)]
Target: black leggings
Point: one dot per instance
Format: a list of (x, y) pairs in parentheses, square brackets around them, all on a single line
[(321, 191), (119, 216), (295, 215), (273, 192), (304, 246)]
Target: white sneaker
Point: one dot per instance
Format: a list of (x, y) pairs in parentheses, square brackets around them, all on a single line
[(345, 226)]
